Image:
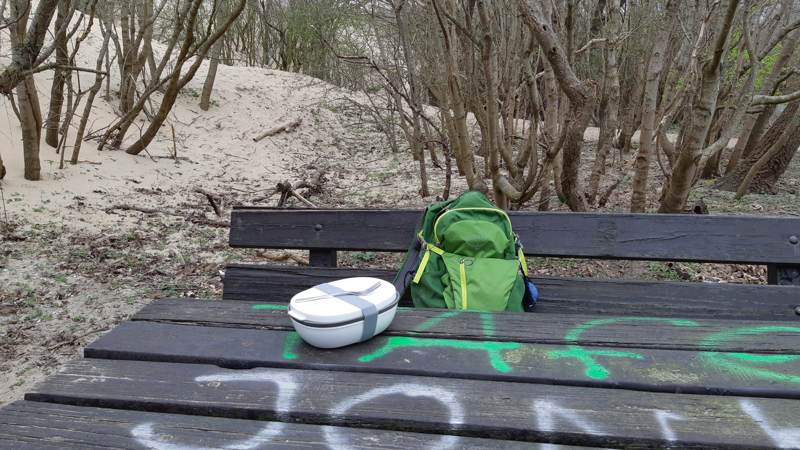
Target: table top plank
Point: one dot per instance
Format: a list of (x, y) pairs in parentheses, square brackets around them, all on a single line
[(558, 329), (36, 425), (719, 373), (498, 410)]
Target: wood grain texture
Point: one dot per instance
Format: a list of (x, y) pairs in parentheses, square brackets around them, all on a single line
[(271, 283), (497, 410), (700, 238), (616, 331), (33, 425), (641, 369)]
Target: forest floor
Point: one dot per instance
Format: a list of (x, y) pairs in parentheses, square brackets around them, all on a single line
[(90, 244)]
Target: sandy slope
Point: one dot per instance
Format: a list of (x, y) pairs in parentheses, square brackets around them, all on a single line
[(70, 268)]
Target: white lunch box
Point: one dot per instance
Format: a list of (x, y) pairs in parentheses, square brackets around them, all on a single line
[(343, 312)]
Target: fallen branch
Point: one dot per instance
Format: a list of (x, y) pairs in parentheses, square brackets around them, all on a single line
[(140, 209), (287, 127), (211, 200), (286, 189), (75, 339), (210, 222), (285, 256)]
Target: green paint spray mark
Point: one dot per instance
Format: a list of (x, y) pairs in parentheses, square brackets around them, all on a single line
[(594, 369), (290, 345), (493, 349), (433, 321), (269, 306), (487, 324), (743, 364)]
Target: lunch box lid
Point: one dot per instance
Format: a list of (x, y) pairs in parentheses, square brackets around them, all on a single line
[(343, 301)]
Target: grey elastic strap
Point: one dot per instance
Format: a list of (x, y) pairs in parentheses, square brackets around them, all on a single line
[(368, 309)]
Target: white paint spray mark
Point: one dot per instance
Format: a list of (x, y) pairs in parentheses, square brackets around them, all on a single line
[(443, 396), (146, 436), (782, 437), (663, 418), (546, 410)]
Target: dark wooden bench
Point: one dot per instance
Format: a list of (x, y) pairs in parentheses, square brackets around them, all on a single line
[(770, 241), (611, 364)]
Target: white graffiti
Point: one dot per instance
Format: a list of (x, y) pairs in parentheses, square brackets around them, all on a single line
[(546, 410), (146, 436), (782, 437), (663, 418), (443, 396), (547, 414)]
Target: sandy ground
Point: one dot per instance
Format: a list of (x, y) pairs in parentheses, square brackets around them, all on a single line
[(74, 261)]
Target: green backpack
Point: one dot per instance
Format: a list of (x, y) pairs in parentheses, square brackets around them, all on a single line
[(466, 256)]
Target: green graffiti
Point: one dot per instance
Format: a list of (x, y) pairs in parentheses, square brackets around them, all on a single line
[(743, 364), (593, 369), (269, 306), (487, 324), (433, 321), (290, 345), (493, 349)]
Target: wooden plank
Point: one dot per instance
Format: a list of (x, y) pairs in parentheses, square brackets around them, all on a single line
[(273, 283), (669, 237), (259, 282), (35, 425), (475, 408), (720, 373), (557, 329)]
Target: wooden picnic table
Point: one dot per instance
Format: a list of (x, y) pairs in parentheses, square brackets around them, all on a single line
[(600, 363), (192, 374)]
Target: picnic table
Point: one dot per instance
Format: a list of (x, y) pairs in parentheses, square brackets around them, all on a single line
[(612, 364)]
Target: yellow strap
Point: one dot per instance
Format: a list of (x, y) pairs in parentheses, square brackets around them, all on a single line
[(522, 261), (462, 268), (435, 249), (424, 262), (421, 268)]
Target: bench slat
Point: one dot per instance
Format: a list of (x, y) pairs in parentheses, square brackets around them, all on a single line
[(498, 410), (617, 331), (676, 237), (34, 425), (273, 283), (642, 369)]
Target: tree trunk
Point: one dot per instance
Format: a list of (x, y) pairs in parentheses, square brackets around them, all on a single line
[(87, 109), (732, 180), (765, 172), (650, 102), (30, 125), (580, 105), (208, 86), (57, 89), (676, 191), (753, 125), (610, 110)]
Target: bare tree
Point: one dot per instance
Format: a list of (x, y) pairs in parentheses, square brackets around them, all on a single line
[(580, 102), (611, 94), (676, 190), (177, 80), (655, 68), (59, 75)]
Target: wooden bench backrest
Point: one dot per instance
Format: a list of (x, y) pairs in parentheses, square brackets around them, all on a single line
[(771, 241)]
